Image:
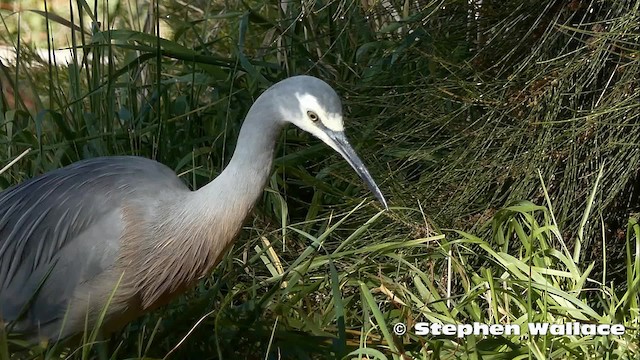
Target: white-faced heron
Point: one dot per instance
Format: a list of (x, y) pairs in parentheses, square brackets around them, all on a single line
[(69, 237)]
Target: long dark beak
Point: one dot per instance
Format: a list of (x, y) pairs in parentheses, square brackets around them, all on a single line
[(342, 146)]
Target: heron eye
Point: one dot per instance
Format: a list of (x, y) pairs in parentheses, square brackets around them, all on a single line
[(313, 116)]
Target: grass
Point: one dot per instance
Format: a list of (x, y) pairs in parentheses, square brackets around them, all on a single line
[(458, 119), (345, 297)]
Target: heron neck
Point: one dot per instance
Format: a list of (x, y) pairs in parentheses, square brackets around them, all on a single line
[(238, 187), (194, 232)]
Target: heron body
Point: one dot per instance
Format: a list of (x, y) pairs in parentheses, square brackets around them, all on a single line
[(126, 234)]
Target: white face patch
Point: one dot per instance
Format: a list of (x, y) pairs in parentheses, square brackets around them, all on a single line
[(331, 121)]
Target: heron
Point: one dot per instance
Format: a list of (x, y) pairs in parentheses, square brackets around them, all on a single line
[(125, 234)]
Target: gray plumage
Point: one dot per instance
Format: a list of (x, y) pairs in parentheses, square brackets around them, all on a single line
[(128, 226), (47, 221)]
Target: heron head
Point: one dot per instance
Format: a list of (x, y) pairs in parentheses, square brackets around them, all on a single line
[(313, 106)]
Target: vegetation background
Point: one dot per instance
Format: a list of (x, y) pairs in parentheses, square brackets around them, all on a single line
[(513, 122)]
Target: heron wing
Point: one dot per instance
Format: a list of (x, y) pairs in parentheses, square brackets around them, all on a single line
[(64, 228)]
